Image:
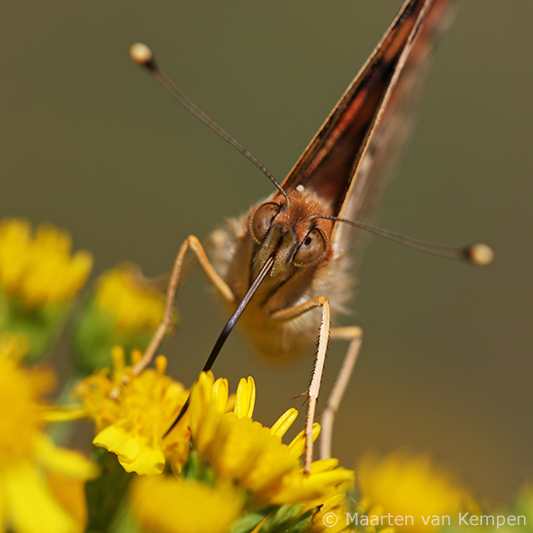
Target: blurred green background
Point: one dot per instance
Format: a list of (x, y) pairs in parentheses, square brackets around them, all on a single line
[(91, 144)]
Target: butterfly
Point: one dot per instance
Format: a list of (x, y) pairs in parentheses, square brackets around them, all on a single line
[(286, 265)]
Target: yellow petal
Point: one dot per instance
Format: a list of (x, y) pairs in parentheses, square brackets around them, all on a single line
[(333, 501), (181, 506), (149, 462), (32, 507), (297, 446), (201, 395), (3, 503), (134, 452), (62, 461), (206, 430), (63, 413), (115, 439), (324, 465), (71, 493), (236, 446), (274, 462), (245, 400), (298, 487), (284, 422), (220, 394)]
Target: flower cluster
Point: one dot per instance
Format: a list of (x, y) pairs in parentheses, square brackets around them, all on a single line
[(41, 485), (133, 303), (39, 269), (39, 279), (123, 309)]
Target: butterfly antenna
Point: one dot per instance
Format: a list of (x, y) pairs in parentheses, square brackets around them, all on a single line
[(142, 55), (479, 254)]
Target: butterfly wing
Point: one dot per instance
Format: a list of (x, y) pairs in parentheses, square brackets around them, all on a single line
[(349, 161)]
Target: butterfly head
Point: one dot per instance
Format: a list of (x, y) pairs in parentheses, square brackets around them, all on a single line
[(291, 233)]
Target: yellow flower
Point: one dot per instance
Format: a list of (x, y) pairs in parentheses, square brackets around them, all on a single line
[(39, 270), (251, 455), (133, 425), (166, 505), (33, 471), (405, 485), (124, 310), (134, 305)]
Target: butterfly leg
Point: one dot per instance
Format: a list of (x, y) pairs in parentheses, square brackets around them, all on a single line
[(353, 334), (316, 378), (220, 285)]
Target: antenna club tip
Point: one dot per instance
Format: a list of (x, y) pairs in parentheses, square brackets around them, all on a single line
[(480, 254), (140, 53)]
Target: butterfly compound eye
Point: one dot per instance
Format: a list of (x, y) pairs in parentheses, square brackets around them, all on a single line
[(262, 220), (311, 250)]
